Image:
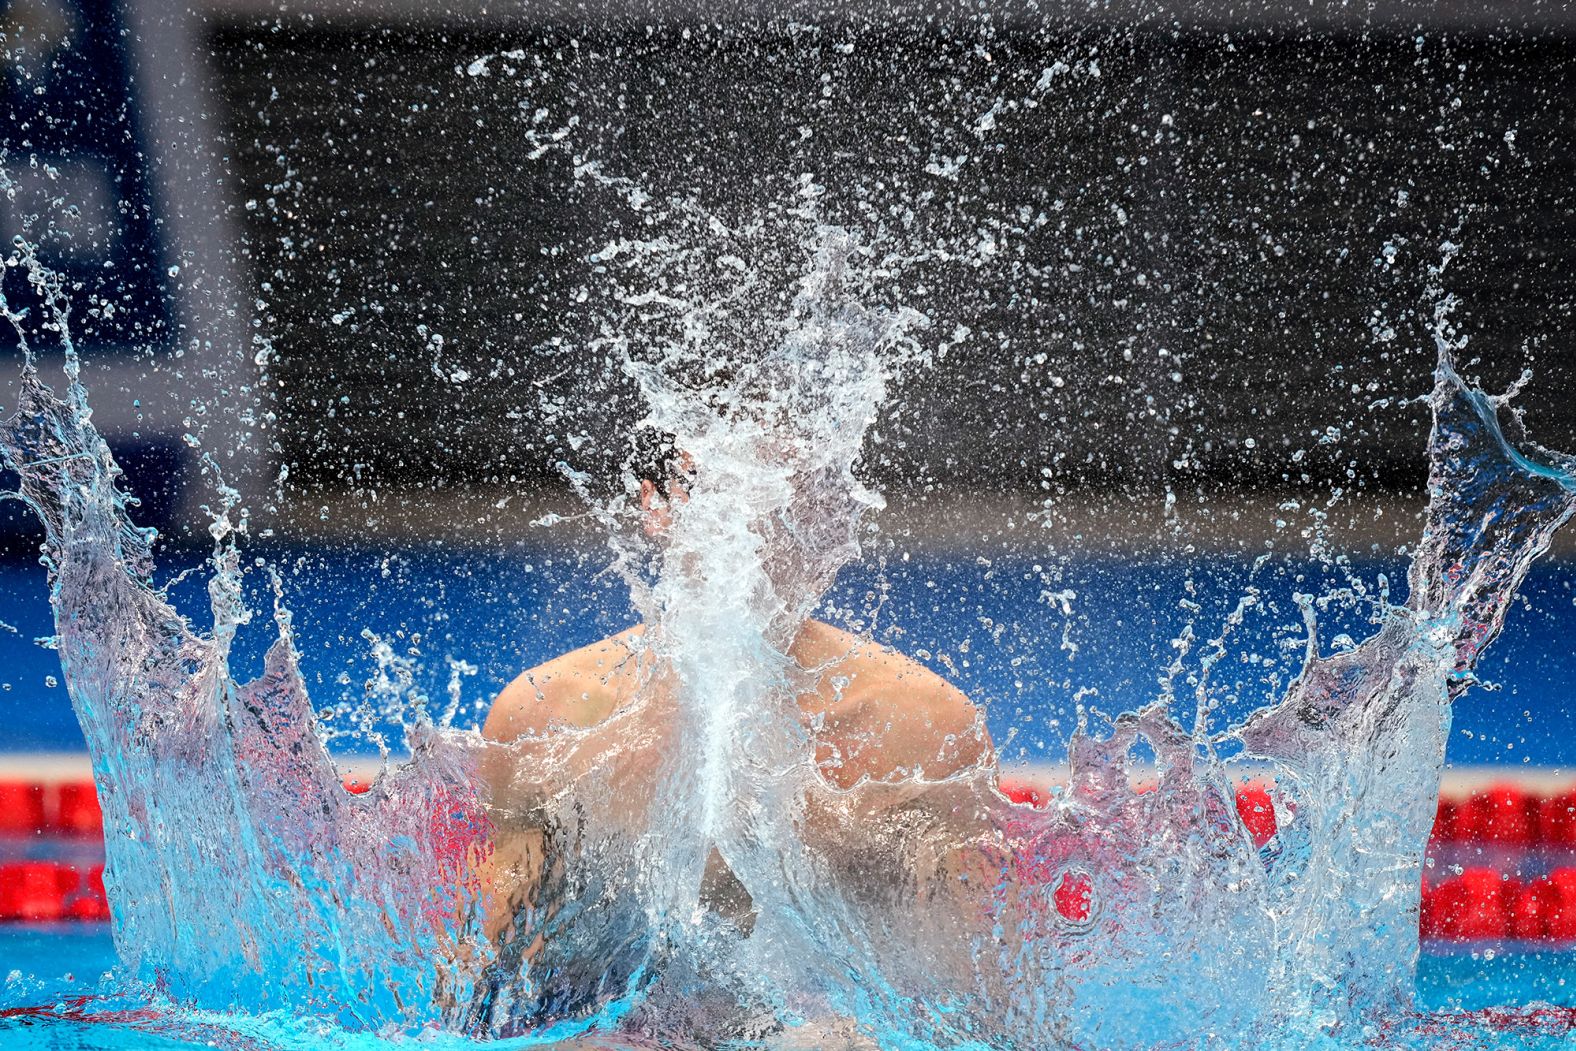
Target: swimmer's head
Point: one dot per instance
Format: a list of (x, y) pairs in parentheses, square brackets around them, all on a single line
[(661, 471)]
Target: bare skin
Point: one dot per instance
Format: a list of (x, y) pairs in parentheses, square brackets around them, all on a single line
[(874, 714), (875, 718)]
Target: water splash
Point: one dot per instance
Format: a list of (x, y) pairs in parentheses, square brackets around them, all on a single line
[(242, 873)]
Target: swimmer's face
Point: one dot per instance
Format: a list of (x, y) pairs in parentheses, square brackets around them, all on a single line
[(657, 505)]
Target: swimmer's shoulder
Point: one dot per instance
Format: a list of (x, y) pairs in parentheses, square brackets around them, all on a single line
[(581, 688), (898, 716), (876, 674)]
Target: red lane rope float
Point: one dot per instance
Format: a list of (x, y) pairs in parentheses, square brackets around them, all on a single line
[(1257, 811), (21, 808), (31, 808), (1504, 814), (90, 903), (1483, 904), (1024, 793), (1505, 823), (1557, 820), (77, 810), (33, 891), (1472, 907), (1074, 896), (1508, 815), (48, 891)]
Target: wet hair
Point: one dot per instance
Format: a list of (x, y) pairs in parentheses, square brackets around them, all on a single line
[(653, 457)]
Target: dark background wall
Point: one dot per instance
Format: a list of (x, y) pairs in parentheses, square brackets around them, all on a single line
[(1242, 226)]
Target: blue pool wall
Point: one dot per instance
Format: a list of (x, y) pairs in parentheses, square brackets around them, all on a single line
[(1034, 640)]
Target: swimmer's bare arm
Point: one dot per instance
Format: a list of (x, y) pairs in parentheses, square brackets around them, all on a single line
[(914, 767), (529, 759), (577, 690), (878, 717)]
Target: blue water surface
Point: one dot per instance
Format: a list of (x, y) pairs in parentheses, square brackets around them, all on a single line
[(52, 965)]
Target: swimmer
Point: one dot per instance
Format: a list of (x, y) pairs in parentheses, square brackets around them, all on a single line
[(872, 713), (874, 718)]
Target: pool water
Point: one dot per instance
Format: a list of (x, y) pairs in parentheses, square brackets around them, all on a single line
[(53, 966)]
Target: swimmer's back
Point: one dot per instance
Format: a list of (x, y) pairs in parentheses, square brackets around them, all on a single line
[(579, 689), (873, 713)]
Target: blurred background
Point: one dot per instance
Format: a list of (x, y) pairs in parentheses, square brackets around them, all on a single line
[(266, 211)]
